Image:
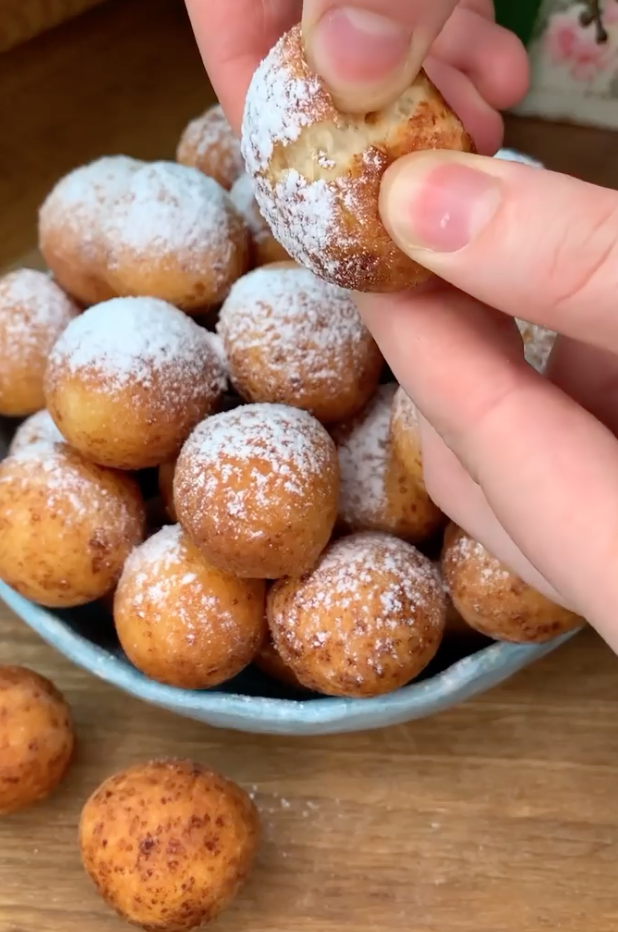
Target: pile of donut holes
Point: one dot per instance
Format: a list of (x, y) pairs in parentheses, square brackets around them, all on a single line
[(210, 440)]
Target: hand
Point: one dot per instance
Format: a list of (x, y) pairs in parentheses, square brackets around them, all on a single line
[(369, 52), (528, 465)]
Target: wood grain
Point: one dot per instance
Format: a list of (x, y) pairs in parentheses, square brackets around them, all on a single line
[(20, 20), (499, 816)]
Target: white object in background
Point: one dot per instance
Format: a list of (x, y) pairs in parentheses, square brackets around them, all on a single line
[(512, 155), (574, 77)]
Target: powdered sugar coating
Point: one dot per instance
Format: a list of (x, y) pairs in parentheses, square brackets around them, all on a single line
[(494, 600), (244, 201), (209, 144), (79, 200), (71, 223), (130, 379), (254, 483), (538, 344), (280, 104), (67, 524), (39, 428), (489, 573), (366, 620), (291, 337), (70, 485), (180, 620), (266, 249), (363, 460), (33, 313), (169, 209), (127, 341), (317, 172)]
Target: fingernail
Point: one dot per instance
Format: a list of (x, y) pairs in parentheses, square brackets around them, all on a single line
[(349, 46), (441, 208)]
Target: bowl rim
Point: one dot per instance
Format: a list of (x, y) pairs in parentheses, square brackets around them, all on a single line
[(463, 679)]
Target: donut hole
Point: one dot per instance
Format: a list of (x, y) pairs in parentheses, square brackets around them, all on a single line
[(326, 149)]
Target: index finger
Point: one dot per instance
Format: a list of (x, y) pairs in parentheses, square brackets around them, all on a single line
[(233, 36), (532, 243), (545, 466)]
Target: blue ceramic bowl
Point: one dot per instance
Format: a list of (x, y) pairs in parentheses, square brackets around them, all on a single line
[(253, 703)]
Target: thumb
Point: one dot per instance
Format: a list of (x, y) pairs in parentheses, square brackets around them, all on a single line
[(370, 51)]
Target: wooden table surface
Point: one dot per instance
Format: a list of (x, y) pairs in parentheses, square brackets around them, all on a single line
[(499, 816)]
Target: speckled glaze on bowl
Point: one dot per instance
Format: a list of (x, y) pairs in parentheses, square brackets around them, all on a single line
[(252, 703)]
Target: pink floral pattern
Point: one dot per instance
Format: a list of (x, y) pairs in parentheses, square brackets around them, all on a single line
[(569, 43)]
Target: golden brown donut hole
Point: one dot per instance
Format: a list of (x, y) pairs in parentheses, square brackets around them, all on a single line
[(291, 338), (33, 313), (364, 621), (317, 172), (130, 379), (208, 143), (493, 600), (36, 738), (256, 490), (174, 234), (182, 621), (66, 525), (168, 844)]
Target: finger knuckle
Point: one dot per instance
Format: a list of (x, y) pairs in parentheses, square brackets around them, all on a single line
[(584, 263)]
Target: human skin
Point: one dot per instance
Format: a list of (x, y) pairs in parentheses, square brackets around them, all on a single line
[(526, 464)]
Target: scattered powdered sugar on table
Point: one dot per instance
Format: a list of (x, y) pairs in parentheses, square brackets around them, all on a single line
[(247, 461), (538, 344), (363, 460), (170, 209), (210, 136), (129, 341), (39, 428), (33, 313), (162, 588), (367, 584), (296, 325)]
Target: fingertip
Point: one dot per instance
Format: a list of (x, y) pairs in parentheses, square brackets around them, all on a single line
[(363, 57)]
